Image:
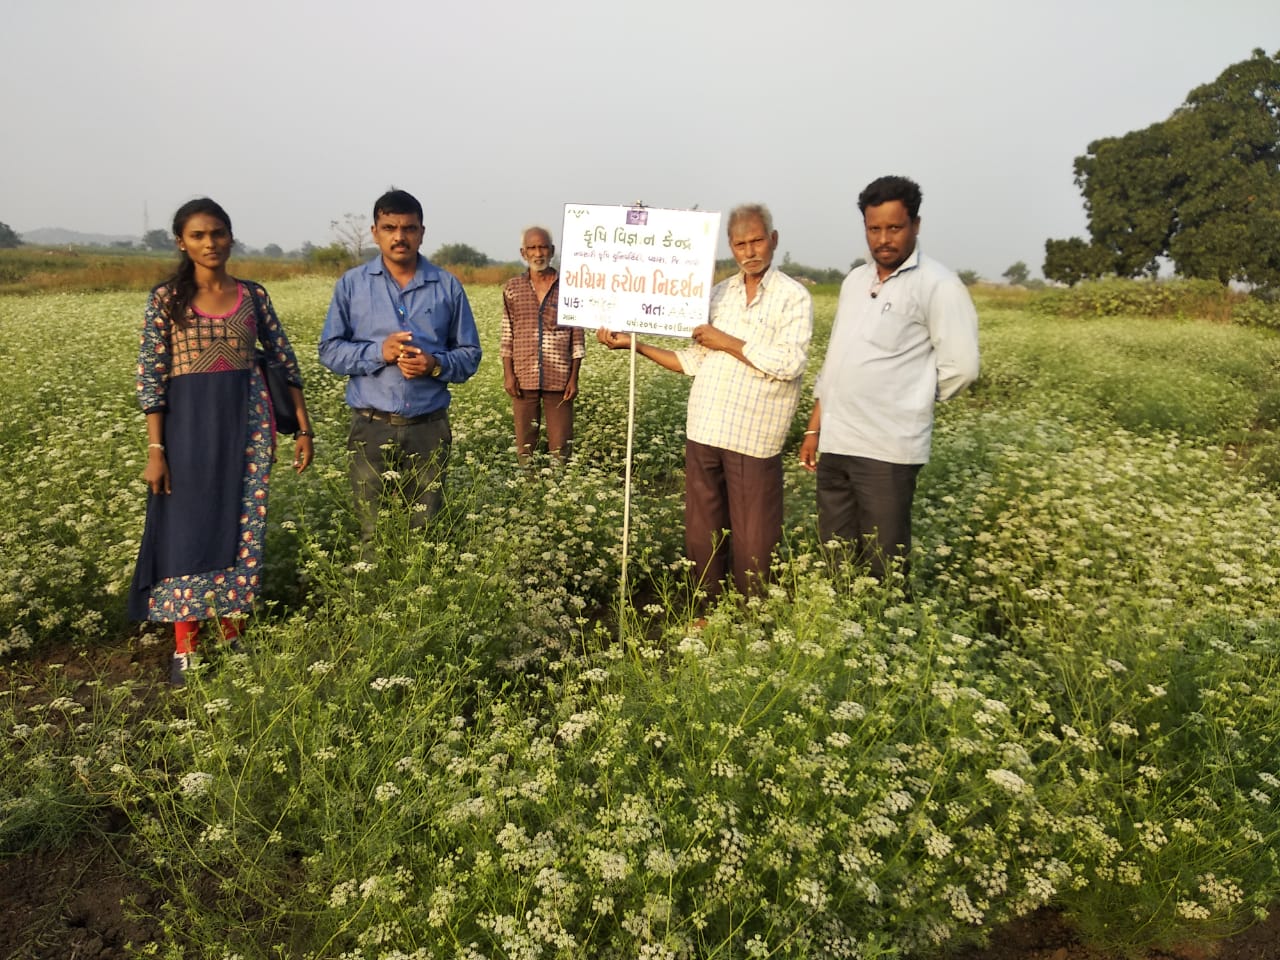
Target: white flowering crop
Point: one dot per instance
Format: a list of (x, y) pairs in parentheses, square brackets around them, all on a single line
[(471, 746)]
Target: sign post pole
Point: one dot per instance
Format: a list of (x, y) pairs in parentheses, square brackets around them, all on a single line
[(626, 486), (636, 269)]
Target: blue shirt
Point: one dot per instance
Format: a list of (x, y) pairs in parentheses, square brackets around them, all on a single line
[(368, 306)]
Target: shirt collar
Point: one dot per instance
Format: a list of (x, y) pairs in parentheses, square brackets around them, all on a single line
[(740, 278), (555, 276), (910, 263), (427, 271)]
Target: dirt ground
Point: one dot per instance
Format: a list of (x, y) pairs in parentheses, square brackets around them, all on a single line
[(69, 907), (1046, 936), (72, 905)]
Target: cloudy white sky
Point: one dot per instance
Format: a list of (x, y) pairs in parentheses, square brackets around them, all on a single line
[(496, 113)]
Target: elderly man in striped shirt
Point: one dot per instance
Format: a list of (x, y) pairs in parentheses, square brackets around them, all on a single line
[(746, 363)]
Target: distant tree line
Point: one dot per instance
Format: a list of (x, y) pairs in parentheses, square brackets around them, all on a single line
[(1200, 189), (811, 274), (792, 269)]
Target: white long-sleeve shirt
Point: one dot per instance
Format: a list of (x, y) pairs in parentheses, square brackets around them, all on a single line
[(891, 356)]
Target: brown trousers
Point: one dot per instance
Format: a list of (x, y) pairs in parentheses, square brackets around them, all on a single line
[(527, 413), (732, 515)]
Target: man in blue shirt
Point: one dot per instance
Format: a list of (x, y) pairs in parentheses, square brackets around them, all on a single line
[(402, 330)]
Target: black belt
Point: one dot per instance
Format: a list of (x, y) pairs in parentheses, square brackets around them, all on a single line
[(398, 421)]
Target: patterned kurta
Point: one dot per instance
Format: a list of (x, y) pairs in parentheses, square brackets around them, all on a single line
[(202, 549)]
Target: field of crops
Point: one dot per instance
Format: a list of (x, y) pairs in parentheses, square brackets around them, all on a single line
[(471, 749)]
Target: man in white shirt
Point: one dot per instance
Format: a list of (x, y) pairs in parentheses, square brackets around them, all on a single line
[(905, 336), (746, 361)]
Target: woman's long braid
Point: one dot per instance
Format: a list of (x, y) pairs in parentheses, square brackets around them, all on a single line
[(182, 289)]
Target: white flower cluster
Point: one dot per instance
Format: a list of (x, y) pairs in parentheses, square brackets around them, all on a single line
[(195, 784), (1008, 780), (390, 683)]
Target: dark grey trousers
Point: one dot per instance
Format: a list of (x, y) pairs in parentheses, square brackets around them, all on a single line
[(408, 460), (867, 503)]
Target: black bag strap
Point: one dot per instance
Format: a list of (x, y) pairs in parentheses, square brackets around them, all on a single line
[(259, 314)]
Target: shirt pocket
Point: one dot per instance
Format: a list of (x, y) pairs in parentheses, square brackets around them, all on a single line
[(893, 331)]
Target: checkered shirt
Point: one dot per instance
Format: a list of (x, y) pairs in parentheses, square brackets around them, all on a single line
[(733, 405), (541, 350)]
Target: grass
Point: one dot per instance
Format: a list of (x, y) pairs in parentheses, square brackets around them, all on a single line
[(466, 751)]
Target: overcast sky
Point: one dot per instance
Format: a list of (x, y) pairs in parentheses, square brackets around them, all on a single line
[(496, 113)]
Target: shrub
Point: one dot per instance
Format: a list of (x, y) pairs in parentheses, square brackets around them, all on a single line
[(1255, 312), (334, 258), (1204, 299)]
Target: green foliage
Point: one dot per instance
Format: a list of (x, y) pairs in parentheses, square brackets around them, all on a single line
[(1128, 298), (1186, 377), (811, 275), (1059, 544), (968, 277), (273, 251), (46, 805), (1256, 312), (1201, 188), (1072, 260), (1229, 219), (460, 255), (1128, 187), (9, 237), (158, 240), (1018, 274), (333, 258)]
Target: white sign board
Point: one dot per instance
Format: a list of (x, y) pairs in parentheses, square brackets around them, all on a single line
[(637, 269)]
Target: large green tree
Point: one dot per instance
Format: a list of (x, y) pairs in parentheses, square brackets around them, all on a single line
[(1201, 188), (8, 236)]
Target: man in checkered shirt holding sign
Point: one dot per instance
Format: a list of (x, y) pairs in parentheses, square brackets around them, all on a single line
[(746, 363)]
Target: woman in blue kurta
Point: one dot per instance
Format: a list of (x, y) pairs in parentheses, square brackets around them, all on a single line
[(211, 437)]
